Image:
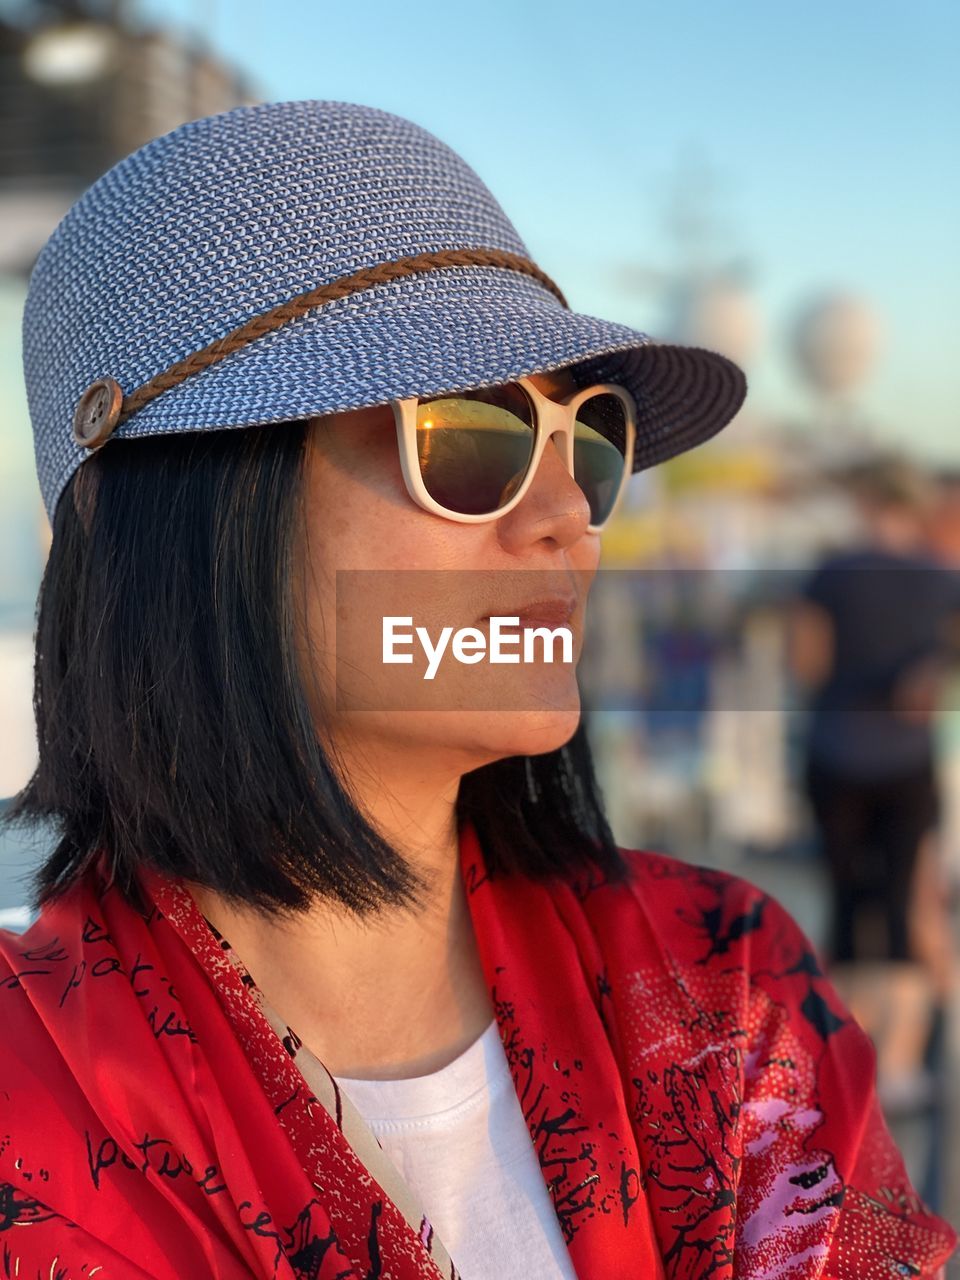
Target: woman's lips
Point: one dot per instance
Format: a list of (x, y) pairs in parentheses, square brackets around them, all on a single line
[(555, 612)]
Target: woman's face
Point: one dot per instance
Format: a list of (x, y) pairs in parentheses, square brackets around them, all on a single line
[(371, 552)]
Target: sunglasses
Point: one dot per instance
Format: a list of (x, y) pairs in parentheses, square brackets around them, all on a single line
[(471, 456)]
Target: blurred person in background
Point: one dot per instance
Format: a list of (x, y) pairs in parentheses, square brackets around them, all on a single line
[(871, 640)]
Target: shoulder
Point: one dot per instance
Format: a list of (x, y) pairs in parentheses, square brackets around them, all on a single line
[(702, 936), (37, 971), (54, 936), (63, 929), (700, 915), (47, 973), (735, 1037)]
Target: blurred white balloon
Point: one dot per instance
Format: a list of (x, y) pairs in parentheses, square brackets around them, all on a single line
[(835, 341)]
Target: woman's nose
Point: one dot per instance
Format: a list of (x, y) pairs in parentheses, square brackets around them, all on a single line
[(553, 508)]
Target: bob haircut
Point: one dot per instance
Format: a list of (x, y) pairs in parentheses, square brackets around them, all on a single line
[(173, 729)]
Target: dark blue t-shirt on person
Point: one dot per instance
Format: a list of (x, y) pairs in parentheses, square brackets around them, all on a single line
[(888, 611)]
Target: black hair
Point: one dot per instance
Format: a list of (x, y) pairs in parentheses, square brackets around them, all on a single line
[(172, 726)]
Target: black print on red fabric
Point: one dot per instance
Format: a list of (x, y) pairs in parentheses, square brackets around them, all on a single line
[(52, 952), (163, 1021), (807, 964), (93, 931), (554, 1136), (210, 1183), (821, 1017), (810, 1178), (306, 1248), (158, 1156), (631, 1189), (18, 1208), (139, 966), (286, 1102), (14, 981), (570, 1163), (814, 1006), (303, 1244), (292, 1042), (725, 935), (375, 1269), (169, 1025), (604, 1002), (226, 945), (693, 1113), (693, 1159)]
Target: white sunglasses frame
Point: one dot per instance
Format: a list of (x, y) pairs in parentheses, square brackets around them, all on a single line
[(551, 417)]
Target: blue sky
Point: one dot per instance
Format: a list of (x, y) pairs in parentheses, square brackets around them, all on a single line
[(830, 131)]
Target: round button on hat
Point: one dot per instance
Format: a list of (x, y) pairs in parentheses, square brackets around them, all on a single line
[(289, 259), (97, 413)]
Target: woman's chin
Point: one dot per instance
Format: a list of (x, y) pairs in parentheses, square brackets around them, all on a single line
[(466, 711), (531, 733), (465, 739), (485, 736)]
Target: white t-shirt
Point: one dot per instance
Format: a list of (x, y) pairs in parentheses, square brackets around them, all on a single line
[(459, 1139)]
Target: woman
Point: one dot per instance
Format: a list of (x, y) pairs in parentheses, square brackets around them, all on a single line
[(339, 971)]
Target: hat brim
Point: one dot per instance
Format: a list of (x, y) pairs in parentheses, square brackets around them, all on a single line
[(446, 331), (684, 395)]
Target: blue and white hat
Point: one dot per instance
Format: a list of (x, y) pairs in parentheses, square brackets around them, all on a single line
[(288, 259)]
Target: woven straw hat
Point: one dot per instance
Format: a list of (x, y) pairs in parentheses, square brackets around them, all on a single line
[(296, 258)]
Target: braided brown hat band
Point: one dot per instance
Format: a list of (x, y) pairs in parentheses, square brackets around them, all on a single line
[(103, 406)]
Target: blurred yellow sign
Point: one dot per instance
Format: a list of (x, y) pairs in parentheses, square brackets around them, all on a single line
[(635, 538), (746, 470)]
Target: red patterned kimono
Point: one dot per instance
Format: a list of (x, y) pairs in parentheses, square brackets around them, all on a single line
[(700, 1102)]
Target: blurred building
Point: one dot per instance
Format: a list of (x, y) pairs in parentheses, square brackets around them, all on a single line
[(82, 84), (80, 87)]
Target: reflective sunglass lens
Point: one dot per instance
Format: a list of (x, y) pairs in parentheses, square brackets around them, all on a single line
[(475, 448), (599, 444)]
